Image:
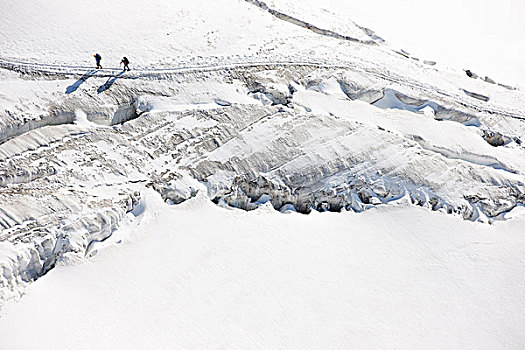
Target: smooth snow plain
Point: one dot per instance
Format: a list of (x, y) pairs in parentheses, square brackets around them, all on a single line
[(199, 276), (484, 36)]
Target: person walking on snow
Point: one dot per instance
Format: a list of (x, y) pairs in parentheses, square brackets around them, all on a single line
[(125, 61), (98, 58)]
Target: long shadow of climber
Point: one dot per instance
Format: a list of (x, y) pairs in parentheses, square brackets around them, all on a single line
[(110, 82), (72, 88)]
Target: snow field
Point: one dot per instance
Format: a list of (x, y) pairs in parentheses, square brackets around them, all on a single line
[(260, 108), (391, 277)]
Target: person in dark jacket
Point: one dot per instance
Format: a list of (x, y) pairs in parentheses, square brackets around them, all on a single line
[(98, 58), (125, 61)]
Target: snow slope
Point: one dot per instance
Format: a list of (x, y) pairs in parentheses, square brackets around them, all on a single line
[(388, 278), (484, 36), (251, 105)]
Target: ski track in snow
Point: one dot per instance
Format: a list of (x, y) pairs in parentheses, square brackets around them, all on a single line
[(54, 70)]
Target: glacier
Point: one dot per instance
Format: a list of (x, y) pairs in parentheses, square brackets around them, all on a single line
[(253, 106)]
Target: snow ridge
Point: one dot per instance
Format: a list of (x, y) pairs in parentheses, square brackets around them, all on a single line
[(33, 257), (313, 28)]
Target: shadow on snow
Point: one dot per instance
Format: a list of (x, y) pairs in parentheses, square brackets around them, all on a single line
[(72, 88), (110, 82)]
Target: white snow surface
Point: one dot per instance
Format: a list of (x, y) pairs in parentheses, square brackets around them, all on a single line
[(199, 276), (268, 175), (485, 36)]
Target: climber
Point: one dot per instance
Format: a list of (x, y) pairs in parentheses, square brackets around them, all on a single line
[(98, 58), (125, 61)]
